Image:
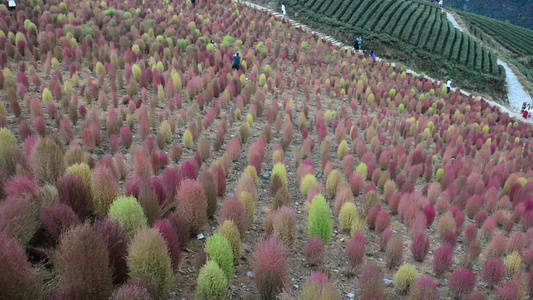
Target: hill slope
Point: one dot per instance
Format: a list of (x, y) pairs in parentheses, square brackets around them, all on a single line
[(517, 12), (412, 27)]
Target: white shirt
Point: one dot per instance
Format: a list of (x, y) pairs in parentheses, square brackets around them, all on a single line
[(283, 9), (440, 2), (12, 3), (449, 84)]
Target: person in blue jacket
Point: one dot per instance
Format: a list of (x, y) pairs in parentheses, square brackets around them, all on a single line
[(236, 61), (372, 54)]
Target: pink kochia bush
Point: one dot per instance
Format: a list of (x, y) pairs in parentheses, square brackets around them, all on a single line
[(73, 192), (192, 203), (270, 268), (314, 251), (17, 279), (424, 288), (234, 209), (461, 282), (189, 170), (356, 250), (171, 239), (443, 259), (114, 238), (20, 187), (371, 282), (493, 271), (420, 247), (57, 219)]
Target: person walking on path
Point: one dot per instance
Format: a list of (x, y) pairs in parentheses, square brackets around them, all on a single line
[(526, 112), (236, 62), (193, 3), (440, 3), (357, 44), (449, 86), (283, 11), (11, 5)]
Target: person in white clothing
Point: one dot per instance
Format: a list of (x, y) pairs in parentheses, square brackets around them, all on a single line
[(12, 5), (440, 3), (283, 10), (449, 85)]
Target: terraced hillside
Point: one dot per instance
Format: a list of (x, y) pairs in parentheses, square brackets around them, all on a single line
[(413, 26), (517, 40)]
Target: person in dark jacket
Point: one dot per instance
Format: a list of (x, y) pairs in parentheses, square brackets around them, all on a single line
[(236, 62), (193, 3)]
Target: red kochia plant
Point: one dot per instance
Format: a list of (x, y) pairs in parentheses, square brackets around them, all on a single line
[(356, 250), (189, 170), (382, 220), (461, 282), (507, 290), (181, 226), (17, 279), (21, 187), (270, 268), (82, 258), (131, 291), (420, 247), (493, 271), (126, 137), (72, 191), (443, 259), (314, 251), (371, 282), (233, 209), (424, 288), (57, 219), (171, 239), (114, 238), (170, 180), (192, 203)]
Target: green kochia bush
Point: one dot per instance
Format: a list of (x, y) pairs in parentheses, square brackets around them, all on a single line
[(319, 219), (148, 258), (218, 249), (212, 282), (128, 212), (6, 140)]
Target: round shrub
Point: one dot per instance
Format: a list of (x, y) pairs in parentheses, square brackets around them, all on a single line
[(424, 288), (131, 292), (218, 249), (229, 230), (394, 252), (192, 203), (371, 282), (356, 250), (347, 215), (420, 247), (129, 213), (513, 263), (314, 251), (270, 268), (7, 140), (284, 226), (461, 282), (187, 139), (148, 258), (17, 279), (493, 271), (84, 171), (319, 220), (104, 188), (404, 277), (342, 150), (181, 226), (19, 219), (280, 171), (114, 237), (171, 239), (443, 259), (318, 287), (72, 191), (332, 183), (249, 204), (306, 183), (47, 161), (212, 282), (250, 170), (57, 219), (82, 259), (233, 209)]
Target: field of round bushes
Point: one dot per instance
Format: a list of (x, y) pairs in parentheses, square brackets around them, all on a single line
[(136, 164)]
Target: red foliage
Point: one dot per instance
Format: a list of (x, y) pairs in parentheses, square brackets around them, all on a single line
[(234, 148), (73, 192), (493, 271), (516, 242), (171, 239), (17, 279), (424, 288), (182, 228), (443, 259), (470, 233), (114, 238), (382, 221), (21, 187), (126, 137), (371, 283), (314, 251), (384, 238), (420, 247), (507, 291), (131, 291), (233, 209), (356, 250), (221, 181), (57, 219), (170, 180), (356, 183), (270, 267), (372, 215), (527, 257), (429, 211), (189, 170), (192, 203), (461, 282)]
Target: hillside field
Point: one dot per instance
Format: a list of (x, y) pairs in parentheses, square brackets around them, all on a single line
[(135, 163)]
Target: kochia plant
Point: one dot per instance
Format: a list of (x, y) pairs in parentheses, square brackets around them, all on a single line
[(319, 219)]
